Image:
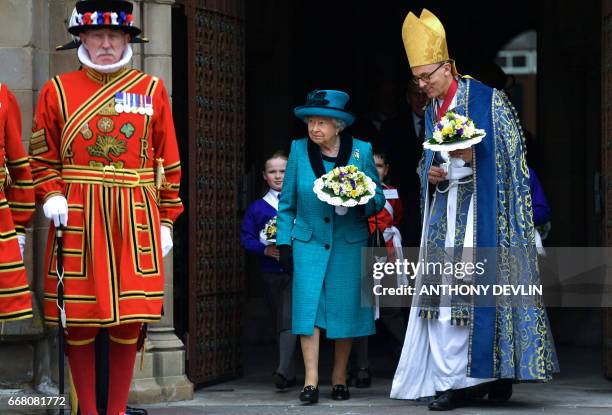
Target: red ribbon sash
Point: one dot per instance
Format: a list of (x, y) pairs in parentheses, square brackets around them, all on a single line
[(448, 98)]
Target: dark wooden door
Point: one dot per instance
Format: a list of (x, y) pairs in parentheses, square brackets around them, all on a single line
[(216, 131)]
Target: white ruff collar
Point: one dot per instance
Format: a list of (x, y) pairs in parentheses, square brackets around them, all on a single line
[(112, 68)]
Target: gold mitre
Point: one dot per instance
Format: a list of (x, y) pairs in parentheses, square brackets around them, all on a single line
[(425, 40)]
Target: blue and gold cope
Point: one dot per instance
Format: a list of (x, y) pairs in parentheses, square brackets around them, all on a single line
[(506, 340)]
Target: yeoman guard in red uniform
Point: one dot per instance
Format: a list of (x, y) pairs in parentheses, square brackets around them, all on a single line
[(106, 166)]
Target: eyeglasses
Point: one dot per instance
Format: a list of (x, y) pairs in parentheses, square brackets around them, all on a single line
[(427, 76)]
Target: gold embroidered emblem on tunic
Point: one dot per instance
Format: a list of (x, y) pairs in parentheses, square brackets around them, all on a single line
[(106, 146), (86, 132), (128, 130), (106, 125), (108, 109)]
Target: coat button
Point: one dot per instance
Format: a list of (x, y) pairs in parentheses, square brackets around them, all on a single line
[(326, 246), (326, 220)]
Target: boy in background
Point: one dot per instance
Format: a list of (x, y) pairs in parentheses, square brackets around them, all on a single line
[(258, 236)]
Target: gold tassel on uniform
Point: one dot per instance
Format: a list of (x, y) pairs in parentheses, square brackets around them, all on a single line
[(7, 180), (160, 175)]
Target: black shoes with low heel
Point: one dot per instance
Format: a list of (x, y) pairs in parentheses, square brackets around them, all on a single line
[(449, 400), (340, 393), (363, 378), (310, 394), (500, 390), (281, 382)]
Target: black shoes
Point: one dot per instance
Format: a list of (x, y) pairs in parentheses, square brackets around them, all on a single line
[(449, 400), (309, 394), (363, 378), (340, 393), (135, 411), (497, 391), (478, 392), (281, 382), (500, 390)]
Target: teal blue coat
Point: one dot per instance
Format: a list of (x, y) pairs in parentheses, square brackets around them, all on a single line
[(326, 247)]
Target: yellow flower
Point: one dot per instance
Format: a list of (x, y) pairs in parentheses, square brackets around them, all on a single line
[(354, 193), (447, 130)]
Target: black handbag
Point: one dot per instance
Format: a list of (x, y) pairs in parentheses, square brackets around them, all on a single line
[(286, 258)]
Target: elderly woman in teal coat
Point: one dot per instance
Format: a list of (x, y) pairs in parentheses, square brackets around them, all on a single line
[(321, 247)]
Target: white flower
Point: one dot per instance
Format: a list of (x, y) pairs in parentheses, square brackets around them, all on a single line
[(437, 136)]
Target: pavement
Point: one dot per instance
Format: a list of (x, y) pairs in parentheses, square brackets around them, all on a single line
[(580, 388)]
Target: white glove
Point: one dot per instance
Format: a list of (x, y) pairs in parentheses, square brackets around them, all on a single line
[(21, 239), (56, 208), (166, 240)]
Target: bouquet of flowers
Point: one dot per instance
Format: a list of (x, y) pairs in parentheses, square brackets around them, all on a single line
[(454, 132), (344, 187), (267, 235)]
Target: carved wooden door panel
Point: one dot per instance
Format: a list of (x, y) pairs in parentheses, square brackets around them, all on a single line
[(216, 106)]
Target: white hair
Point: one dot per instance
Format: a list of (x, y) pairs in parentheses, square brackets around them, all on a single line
[(340, 124)]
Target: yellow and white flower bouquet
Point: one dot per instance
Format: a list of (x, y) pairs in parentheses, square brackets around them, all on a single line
[(454, 132), (344, 187), (267, 235)]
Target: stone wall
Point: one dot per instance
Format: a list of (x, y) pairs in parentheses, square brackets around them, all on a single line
[(31, 29)]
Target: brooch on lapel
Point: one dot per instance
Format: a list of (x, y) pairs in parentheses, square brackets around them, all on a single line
[(356, 154)]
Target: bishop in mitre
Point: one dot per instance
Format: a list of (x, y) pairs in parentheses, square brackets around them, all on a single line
[(476, 206)]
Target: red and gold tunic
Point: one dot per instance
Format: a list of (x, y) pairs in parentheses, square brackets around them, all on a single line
[(16, 210), (108, 165)]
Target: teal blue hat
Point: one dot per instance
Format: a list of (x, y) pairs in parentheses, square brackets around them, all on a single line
[(326, 103)]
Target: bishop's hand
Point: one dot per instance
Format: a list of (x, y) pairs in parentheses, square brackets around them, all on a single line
[(464, 154), (436, 175)]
